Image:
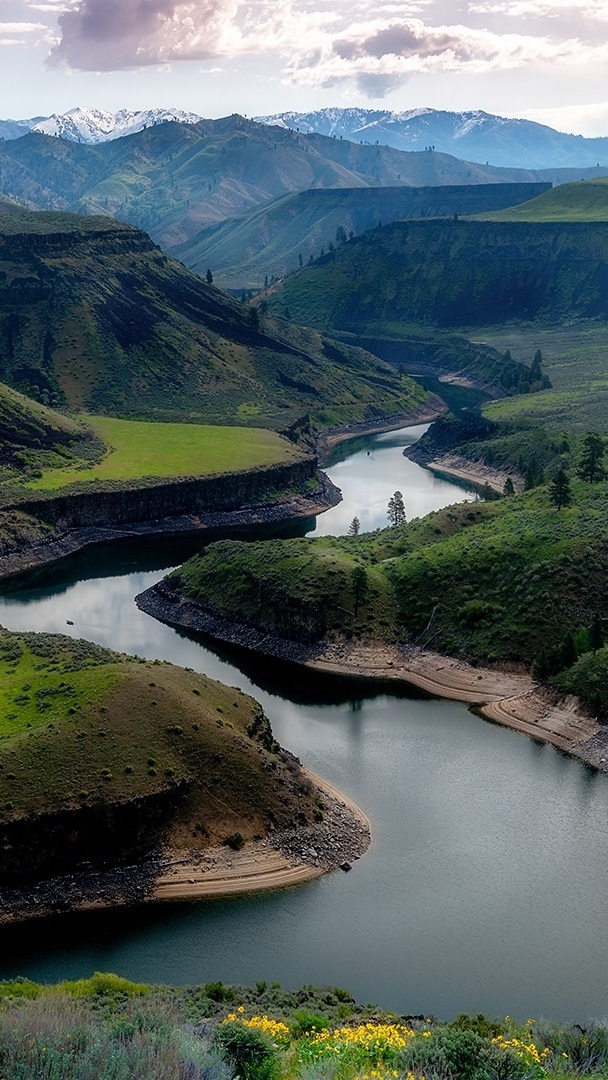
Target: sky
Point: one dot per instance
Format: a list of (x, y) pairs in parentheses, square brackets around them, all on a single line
[(545, 60)]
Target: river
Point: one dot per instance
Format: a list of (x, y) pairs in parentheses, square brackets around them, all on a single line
[(486, 885)]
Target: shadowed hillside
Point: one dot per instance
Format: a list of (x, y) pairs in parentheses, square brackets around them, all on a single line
[(276, 238), (95, 317)]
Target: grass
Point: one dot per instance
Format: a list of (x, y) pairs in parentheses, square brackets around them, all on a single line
[(143, 448), (584, 200), (110, 1028), (574, 358)]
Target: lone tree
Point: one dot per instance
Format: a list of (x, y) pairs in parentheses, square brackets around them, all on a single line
[(354, 527), (591, 466), (396, 509), (508, 489), (209, 277), (559, 490)]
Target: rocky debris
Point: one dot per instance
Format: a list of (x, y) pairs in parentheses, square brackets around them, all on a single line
[(104, 887), (340, 838)]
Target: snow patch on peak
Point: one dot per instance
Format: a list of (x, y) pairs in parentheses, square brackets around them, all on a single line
[(85, 125)]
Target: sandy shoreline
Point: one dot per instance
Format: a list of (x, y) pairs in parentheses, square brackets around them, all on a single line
[(475, 472), (510, 698), (269, 863), (282, 859)]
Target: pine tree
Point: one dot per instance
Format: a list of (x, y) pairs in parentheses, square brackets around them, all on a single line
[(590, 466), (354, 527), (396, 509), (508, 489), (597, 633), (559, 490), (209, 277)]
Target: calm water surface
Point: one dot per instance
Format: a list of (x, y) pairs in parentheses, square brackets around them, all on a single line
[(486, 885)]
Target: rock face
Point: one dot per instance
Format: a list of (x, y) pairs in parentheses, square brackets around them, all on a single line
[(153, 501)]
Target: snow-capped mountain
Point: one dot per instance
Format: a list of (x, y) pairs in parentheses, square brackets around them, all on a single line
[(94, 125), (474, 136)]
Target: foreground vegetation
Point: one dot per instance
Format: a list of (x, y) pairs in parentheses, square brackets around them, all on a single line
[(106, 1028)]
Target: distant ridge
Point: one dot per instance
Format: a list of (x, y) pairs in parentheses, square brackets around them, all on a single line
[(474, 135)]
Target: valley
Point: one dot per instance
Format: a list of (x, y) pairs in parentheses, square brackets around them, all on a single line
[(151, 420)]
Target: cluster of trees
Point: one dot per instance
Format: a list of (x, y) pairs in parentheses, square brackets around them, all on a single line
[(516, 378), (590, 468)]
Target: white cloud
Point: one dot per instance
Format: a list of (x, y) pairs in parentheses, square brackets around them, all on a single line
[(20, 27)]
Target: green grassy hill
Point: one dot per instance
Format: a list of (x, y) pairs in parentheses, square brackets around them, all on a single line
[(586, 200), (33, 437), (277, 237), (498, 581), (94, 317), (105, 755)]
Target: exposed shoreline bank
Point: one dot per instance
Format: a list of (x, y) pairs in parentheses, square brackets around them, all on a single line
[(64, 543), (282, 859), (474, 472), (509, 698)]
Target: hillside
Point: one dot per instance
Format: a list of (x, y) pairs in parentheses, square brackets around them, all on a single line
[(33, 437), (94, 317), (586, 200), (474, 134), (495, 581), (453, 274), (175, 179), (107, 756), (279, 236)]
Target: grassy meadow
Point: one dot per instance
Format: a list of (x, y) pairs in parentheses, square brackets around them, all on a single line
[(138, 448), (583, 200)]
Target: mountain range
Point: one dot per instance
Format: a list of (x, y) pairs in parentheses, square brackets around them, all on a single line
[(474, 135), (82, 125), (174, 179)]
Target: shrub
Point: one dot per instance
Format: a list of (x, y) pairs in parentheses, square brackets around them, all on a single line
[(250, 1051), (458, 1054)]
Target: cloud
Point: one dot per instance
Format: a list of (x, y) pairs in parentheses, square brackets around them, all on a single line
[(587, 10), (110, 35), (376, 45), (20, 27), (381, 55)]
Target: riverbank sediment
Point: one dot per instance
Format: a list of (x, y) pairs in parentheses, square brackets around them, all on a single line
[(474, 472), (507, 697), (283, 858)]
